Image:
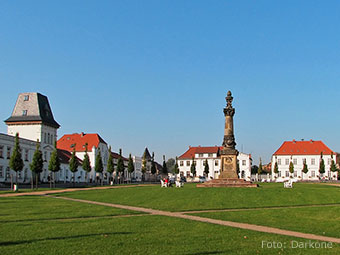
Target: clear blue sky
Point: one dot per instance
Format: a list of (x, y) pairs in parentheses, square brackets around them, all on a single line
[(155, 73)]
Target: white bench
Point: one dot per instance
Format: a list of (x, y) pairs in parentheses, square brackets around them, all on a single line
[(163, 184), (179, 184), (288, 184)]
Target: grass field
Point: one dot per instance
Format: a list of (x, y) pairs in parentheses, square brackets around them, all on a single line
[(47, 225), (192, 198), (314, 220)]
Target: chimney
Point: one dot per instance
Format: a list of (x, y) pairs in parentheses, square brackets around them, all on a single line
[(82, 134), (302, 139), (311, 141), (294, 141)]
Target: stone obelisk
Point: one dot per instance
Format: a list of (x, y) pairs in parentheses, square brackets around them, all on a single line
[(229, 153)]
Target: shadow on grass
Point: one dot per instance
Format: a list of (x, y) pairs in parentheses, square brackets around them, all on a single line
[(70, 218), (207, 253), (62, 238)]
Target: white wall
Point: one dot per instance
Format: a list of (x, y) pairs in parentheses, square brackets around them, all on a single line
[(312, 161)]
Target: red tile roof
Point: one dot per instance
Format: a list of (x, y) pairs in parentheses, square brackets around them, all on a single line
[(78, 141), (199, 150), (116, 156), (303, 148), (65, 156)]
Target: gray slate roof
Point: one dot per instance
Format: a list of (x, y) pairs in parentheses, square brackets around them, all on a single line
[(37, 107)]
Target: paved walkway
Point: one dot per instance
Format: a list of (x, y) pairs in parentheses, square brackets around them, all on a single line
[(212, 221), (47, 192)]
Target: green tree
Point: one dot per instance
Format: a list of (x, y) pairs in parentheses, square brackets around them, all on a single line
[(86, 163), (305, 168), (131, 166), (260, 168), (98, 166), (276, 169), (153, 164), (193, 168), (37, 164), (170, 164), (110, 165), (333, 167), (322, 165), (291, 168), (16, 163), (165, 167), (254, 169), (206, 168), (73, 164), (120, 164), (176, 168), (143, 167), (54, 164)]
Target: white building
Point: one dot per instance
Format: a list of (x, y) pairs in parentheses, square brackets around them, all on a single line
[(299, 152), (33, 120), (78, 142), (212, 154)]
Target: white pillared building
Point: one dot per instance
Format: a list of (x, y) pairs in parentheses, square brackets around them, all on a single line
[(299, 152), (199, 155), (33, 120)]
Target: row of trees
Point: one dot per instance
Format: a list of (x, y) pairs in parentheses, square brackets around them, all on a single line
[(305, 169), (17, 164)]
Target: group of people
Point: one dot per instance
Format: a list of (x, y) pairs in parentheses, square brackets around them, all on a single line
[(167, 181)]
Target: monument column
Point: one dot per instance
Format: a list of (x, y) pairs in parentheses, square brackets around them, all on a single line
[(229, 153)]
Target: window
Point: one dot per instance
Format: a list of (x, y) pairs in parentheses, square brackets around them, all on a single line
[(188, 173), (295, 161), (48, 138), (8, 152), (7, 172), (19, 174), (44, 137), (279, 161), (181, 163), (216, 162), (329, 161), (25, 173), (313, 173), (210, 155), (244, 162), (287, 173), (45, 155), (188, 163), (287, 161), (24, 113), (201, 155), (295, 173), (304, 160), (26, 155), (203, 162), (1, 151), (1, 171), (26, 97), (279, 174), (313, 161)]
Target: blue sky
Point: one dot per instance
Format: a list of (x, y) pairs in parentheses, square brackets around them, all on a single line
[(155, 73)]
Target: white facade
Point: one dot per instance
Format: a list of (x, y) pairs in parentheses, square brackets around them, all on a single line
[(312, 161), (214, 162)]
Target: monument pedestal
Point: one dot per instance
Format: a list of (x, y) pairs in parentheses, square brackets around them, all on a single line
[(229, 182)]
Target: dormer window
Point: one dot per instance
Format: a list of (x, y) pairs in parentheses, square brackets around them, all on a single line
[(26, 97), (24, 113)]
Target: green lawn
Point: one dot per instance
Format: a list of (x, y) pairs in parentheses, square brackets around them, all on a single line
[(192, 198), (33, 225), (314, 220), (31, 208), (47, 225)]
